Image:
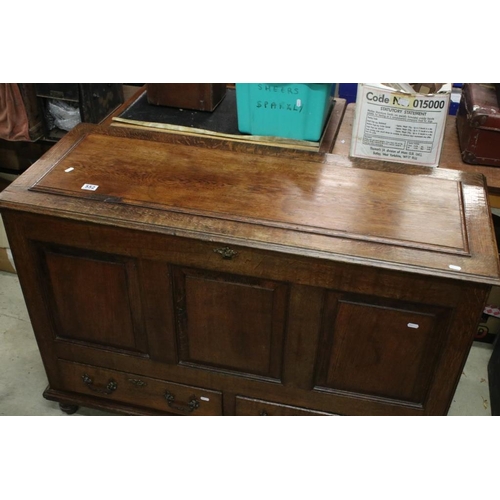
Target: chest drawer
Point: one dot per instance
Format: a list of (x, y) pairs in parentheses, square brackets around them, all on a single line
[(257, 407), (138, 390)]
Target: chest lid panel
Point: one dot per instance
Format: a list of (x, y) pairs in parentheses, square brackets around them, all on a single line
[(306, 196), (434, 222)]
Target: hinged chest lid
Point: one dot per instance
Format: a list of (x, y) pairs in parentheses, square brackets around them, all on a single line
[(436, 224)]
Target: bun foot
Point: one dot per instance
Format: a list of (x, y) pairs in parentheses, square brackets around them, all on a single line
[(69, 409)]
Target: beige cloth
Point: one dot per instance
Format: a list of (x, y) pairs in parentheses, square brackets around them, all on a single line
[(14, 124)]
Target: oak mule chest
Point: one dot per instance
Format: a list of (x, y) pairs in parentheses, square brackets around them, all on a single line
[(166, 275)]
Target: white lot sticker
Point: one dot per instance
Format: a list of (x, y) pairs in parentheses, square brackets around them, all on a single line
[(204, 398), (70, 169), (89, 187)]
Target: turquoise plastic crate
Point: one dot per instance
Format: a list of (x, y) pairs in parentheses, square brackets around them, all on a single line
[(291, 110)]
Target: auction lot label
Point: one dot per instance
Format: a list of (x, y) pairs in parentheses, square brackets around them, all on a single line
[(399, 127)]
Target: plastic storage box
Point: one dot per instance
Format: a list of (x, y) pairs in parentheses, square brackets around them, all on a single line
[(290, 110)]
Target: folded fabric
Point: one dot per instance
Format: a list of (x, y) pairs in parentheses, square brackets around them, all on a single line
[(13, 117)]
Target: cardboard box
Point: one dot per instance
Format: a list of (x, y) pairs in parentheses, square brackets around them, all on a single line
[(403, 123), (4, 242), (6, 262)]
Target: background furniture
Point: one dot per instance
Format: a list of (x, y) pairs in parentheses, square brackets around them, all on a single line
[(95, 101)]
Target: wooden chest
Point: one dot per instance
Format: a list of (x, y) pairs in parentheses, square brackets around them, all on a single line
[(167, 278)]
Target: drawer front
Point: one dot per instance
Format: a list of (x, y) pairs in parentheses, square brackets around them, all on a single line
[(258, 407), (138, 390)]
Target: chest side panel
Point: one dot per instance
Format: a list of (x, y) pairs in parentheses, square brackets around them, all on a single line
[(93, 297)]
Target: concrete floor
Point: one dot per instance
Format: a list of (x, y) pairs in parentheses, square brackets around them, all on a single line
[(22, 377)]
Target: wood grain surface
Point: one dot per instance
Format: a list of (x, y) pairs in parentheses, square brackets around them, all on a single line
[(436, 222), (168, 274)]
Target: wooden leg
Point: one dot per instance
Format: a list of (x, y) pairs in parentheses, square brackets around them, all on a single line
[(494, 378), (69, 409)]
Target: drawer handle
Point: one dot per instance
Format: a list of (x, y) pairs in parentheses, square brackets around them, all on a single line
[(226, 252), (110, 387), (263, 413), (184, 408), (137, 382)]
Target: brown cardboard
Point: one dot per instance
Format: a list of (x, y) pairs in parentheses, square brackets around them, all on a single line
[(5, 263)]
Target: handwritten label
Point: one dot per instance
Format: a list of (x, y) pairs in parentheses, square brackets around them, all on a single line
[(278, 89), (279, 105)]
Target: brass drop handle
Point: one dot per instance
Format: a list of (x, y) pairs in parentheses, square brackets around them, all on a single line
[(137, 382), (108, 389), (189, 407), (226, 252)]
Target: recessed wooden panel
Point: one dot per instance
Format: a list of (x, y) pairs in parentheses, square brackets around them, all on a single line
[(95, 298), (381, 349), (230, 322), (358, 204)]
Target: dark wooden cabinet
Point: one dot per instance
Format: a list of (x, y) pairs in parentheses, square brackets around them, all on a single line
[(93, 101), (171, 278), (198, 96)]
